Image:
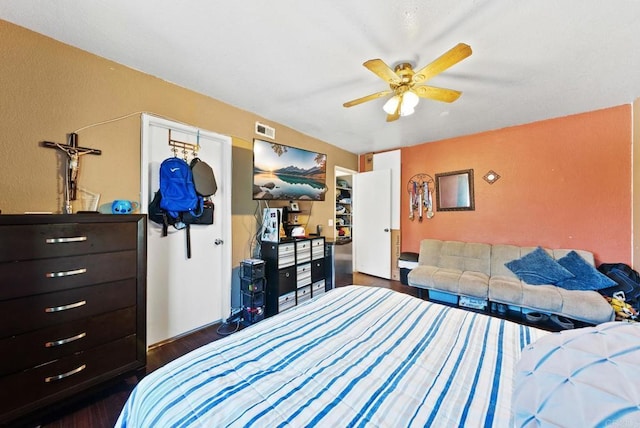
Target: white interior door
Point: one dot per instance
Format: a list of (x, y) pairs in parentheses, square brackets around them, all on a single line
[(391, 160), (183, 293), (372, 223)]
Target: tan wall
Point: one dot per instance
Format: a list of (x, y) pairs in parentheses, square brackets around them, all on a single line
[(50, 89)]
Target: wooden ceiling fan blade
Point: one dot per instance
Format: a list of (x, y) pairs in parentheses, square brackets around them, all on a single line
[(438, 94), (367, 98), (446, 60), (392, 117), (382, 70)]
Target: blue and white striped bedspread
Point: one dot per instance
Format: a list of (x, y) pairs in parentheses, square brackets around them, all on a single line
[(356, 356)]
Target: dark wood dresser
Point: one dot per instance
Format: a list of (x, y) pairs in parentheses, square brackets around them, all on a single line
[(72, 306)]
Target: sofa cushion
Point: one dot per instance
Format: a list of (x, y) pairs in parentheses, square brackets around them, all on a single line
[(587, 277), (503, 253), (512, 291), (587, 306), (429, 254), (538, 268), (465, 256), (543, 298), (447, 280), (422, 276), (462, 256), (466, 283), (474, 284), (505, 289)]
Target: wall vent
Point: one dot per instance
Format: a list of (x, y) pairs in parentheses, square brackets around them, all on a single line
[(265, 131)]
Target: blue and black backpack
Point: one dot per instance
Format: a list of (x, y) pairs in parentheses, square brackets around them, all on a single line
[(178, 191), (176, 203)]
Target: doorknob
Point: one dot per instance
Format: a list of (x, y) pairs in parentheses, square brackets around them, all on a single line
[(218, 241), (386, 230)]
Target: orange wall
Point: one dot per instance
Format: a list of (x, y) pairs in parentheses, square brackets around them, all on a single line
[(565, 183)]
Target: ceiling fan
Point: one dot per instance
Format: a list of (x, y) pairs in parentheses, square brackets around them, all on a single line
[(404, 83)]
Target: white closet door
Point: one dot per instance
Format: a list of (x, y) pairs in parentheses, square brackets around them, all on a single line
[(391, 160), (372, 223), (183, 293)]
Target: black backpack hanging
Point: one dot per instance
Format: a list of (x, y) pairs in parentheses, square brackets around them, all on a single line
[(627, 279), (177, 203), (184, 195)]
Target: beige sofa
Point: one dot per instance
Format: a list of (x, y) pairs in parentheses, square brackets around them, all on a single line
[(477, 272)]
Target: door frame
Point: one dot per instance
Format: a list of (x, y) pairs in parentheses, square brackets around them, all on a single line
[(223, 178), (339, 171)]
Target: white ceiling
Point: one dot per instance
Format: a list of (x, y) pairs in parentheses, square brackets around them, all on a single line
[(296, 62)]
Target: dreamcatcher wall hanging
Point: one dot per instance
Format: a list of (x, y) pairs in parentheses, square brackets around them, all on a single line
[(420, 188)]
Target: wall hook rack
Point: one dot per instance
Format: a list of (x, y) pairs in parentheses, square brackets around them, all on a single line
[(420, 188), (177, 144)]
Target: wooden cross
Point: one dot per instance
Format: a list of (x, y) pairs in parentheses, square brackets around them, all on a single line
[(73, 152)]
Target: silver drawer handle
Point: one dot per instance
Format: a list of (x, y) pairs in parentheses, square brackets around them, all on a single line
[(63, 341), (66, 273), (65, 240), (63, 375), (66, 307)]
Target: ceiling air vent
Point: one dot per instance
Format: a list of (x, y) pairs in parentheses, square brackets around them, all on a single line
[(265, 131)]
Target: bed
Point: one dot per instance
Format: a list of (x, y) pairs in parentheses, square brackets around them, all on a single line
[(588, 377), (355, 356)]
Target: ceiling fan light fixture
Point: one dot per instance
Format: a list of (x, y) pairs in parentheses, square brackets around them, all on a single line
[(406, 85), (409, 102), (405, 111), (410, 99), (391, 105)]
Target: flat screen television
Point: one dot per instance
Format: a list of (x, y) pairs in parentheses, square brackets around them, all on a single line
[(288, 173)]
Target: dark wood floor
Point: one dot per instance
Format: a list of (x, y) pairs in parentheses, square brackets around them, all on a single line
[(101, 411)]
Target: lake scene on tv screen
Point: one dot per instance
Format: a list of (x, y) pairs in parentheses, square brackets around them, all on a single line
[(288, 173)]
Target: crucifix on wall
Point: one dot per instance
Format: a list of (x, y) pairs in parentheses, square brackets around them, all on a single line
[(73, 152)]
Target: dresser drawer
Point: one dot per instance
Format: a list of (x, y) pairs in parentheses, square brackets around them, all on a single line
[(317, 248), (303, 294), (286, 280), (317, 270), (19, 316), (286, 255), (34, 348), (45, 384), (25, 242), (303, 251), (48, 275), (318, 288), (303, 275), (286, 301)]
